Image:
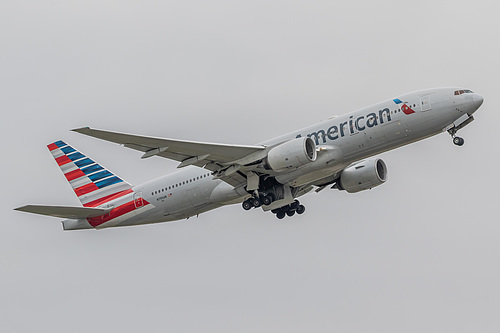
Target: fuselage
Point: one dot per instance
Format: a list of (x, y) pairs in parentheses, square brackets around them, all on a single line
[(345, 139)]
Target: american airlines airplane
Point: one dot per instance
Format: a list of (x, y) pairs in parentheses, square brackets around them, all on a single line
[(336, 153)]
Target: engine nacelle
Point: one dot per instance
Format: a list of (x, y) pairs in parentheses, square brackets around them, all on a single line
[(292, 154), (363, 175)]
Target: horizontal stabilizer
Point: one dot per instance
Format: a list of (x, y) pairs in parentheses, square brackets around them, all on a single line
[(65, 212)]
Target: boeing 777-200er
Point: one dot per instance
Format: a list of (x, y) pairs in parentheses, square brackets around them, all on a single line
[(337, 152)]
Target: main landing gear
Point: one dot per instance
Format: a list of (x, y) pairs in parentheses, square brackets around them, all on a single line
[(289, 210), (256, 202)]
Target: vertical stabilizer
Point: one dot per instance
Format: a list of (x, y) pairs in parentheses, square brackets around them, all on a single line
[(93, 184)]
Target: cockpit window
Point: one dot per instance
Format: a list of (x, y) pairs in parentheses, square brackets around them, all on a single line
[(465, 91)]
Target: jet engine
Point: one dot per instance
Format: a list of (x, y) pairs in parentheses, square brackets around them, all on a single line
[(363, 175), (292, 154)]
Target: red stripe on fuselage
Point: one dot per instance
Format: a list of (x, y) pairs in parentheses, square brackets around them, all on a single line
[(107, 198), (62, 160), (52, 146), (74, 174), (86, 189), (116, 212)]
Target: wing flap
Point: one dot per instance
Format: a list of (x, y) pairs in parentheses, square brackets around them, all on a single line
[(65, 212)]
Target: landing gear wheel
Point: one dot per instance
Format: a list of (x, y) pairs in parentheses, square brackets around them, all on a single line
[(280, 215), (295, 204), (290, 213), (256, 202), (272, 197), (246, 205), (266, 200), (301, 209), (458, 141)]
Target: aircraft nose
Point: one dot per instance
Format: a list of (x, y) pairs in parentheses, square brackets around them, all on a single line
[(477, 100)]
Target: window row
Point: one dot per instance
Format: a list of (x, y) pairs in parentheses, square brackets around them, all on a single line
[(171, 187)]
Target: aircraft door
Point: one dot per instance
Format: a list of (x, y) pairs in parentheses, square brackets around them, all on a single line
[(425, 102), (138, 202)]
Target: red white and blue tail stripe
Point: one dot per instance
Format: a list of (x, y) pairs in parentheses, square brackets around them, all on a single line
[(93, 184)]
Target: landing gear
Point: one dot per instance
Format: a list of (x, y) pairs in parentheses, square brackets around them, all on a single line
[(246, 205), (289, 210), (458, 141), (258, 201), (266, 200)]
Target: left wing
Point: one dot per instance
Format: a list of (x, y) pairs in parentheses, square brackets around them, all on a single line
[(223, 158)]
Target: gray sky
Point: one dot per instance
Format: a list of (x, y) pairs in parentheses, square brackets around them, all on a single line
[(419, 253)]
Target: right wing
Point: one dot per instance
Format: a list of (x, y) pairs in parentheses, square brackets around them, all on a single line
[(65, 212)]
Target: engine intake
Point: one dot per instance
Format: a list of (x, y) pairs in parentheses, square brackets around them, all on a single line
[(292, 154), (363, 175)]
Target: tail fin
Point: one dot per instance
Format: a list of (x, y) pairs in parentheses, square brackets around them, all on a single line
[(92, 183)]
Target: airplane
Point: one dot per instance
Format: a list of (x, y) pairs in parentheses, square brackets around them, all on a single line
[(338, 153)]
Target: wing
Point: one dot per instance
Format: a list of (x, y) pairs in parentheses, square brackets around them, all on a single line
[(212, 156), (65, 212)]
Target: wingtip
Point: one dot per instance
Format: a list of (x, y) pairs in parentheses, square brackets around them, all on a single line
[(22, 208), (80, 129)]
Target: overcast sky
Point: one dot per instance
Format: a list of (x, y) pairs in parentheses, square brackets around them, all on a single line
[(417, 254)]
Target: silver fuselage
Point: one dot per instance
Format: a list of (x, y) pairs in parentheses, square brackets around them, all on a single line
[(341, 140)]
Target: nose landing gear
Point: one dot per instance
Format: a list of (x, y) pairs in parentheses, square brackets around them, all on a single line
[(456, 139)]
